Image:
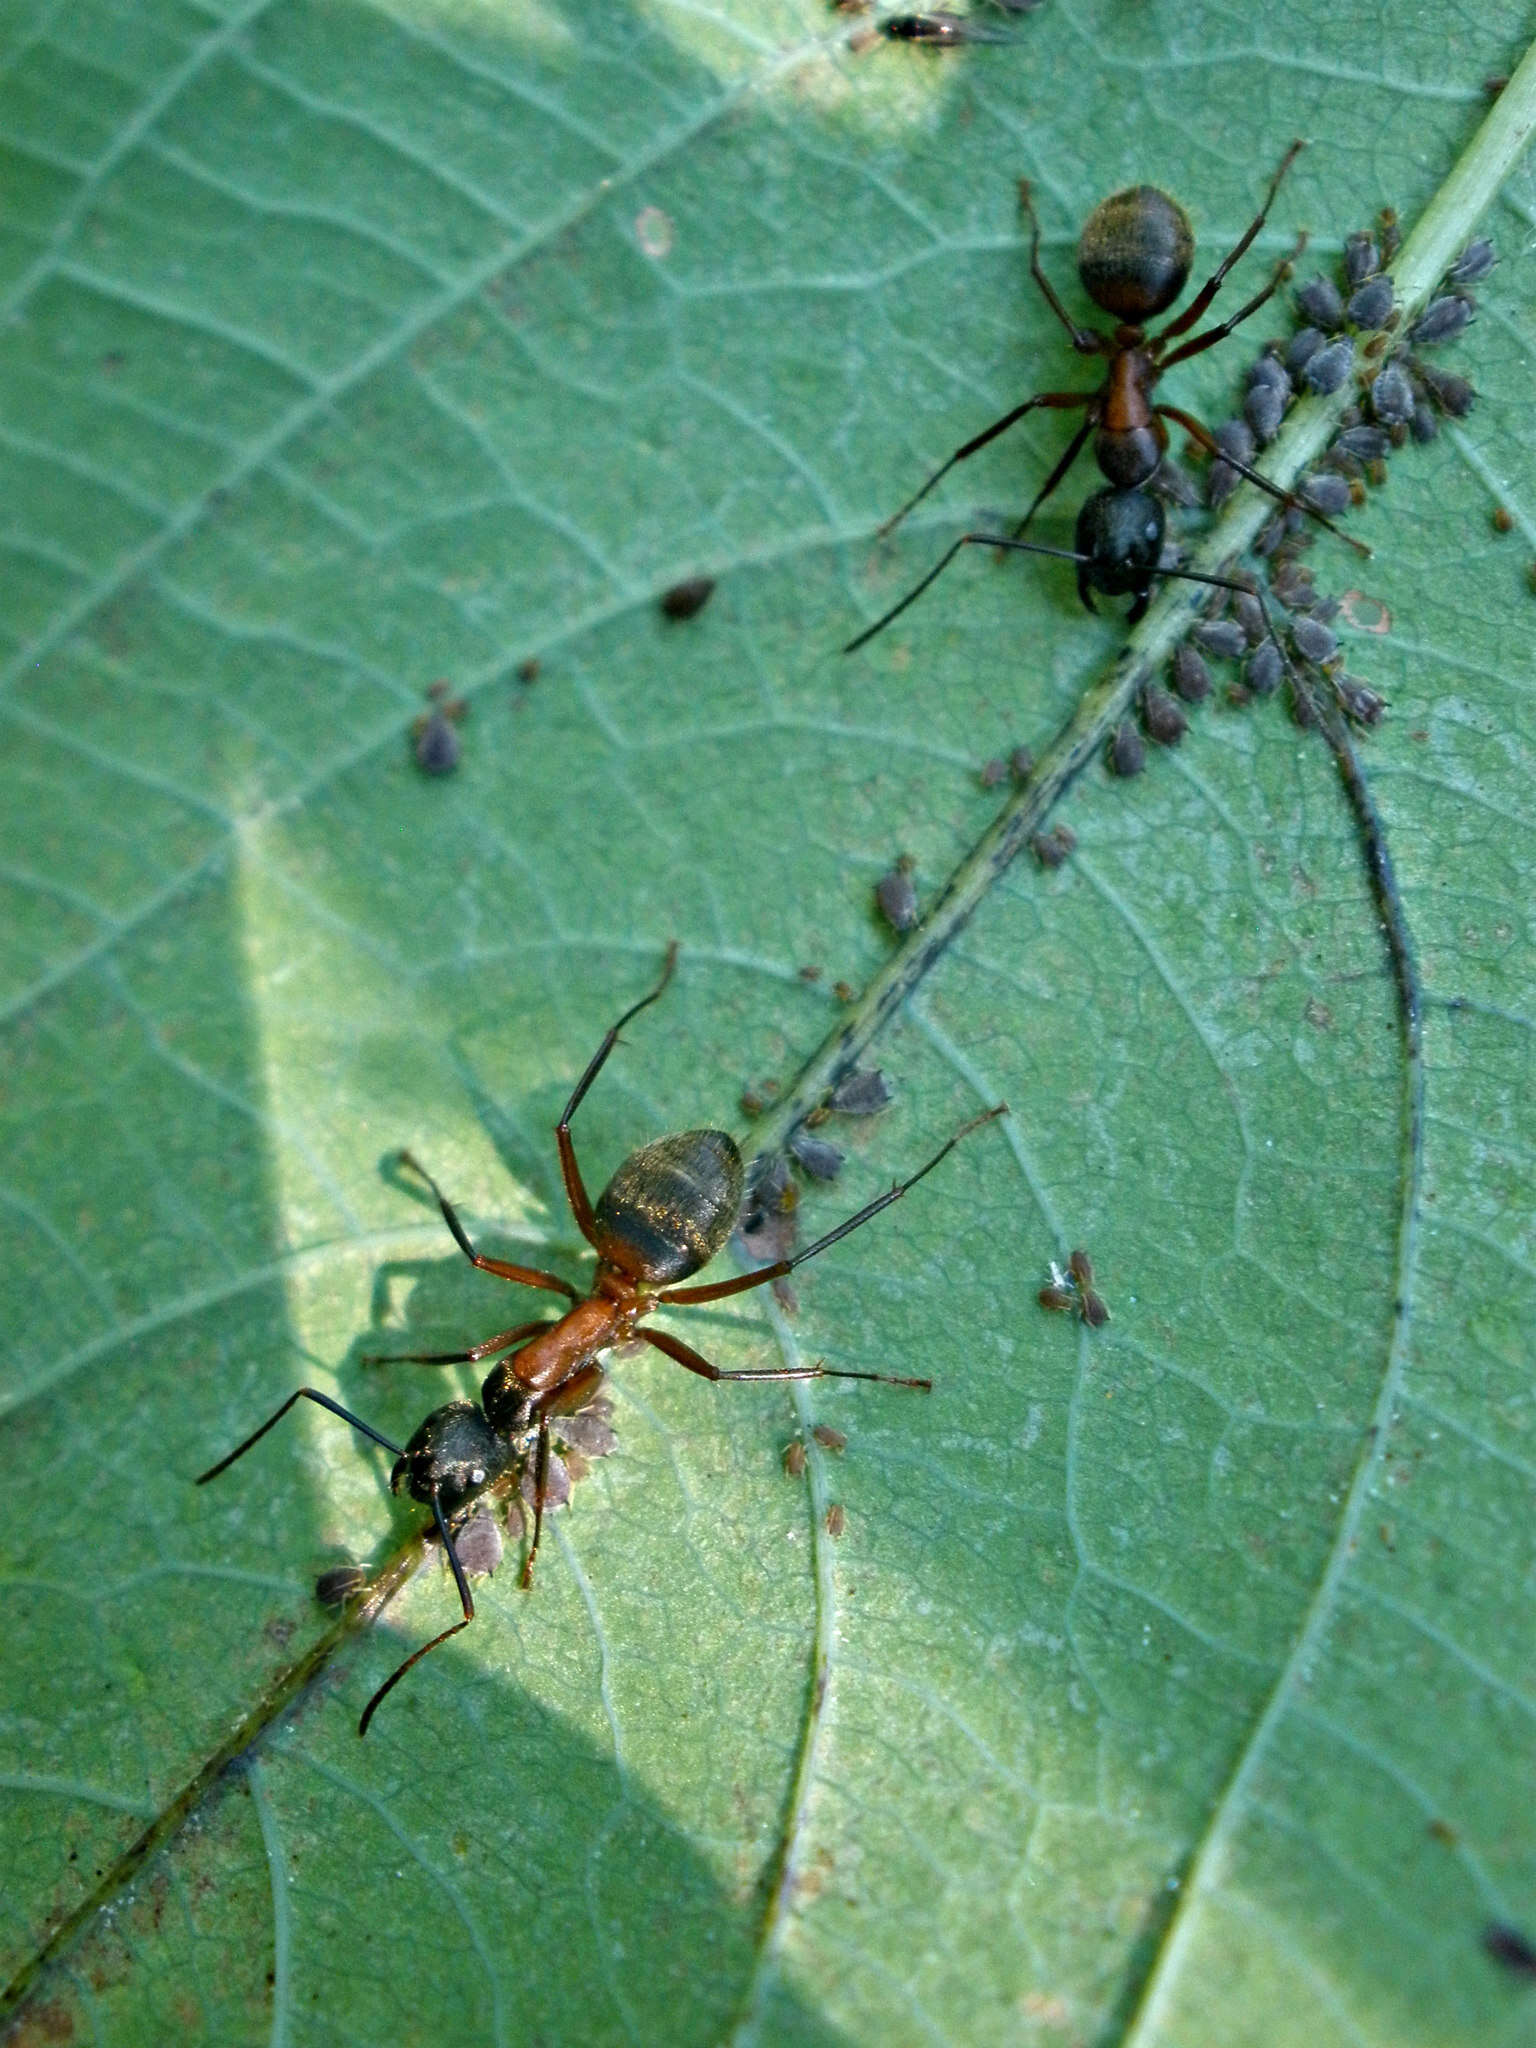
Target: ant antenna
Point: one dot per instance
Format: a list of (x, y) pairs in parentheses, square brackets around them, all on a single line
[(466, 1601)]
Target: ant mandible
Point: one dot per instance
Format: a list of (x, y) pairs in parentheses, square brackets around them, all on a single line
[(1133, 258), (662, 1217)]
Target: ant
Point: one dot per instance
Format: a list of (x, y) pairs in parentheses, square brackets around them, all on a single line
[(1133, 258), (662, 1217)]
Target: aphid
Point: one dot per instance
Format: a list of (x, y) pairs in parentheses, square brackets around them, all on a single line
[(1191, 677), (433, 739), (1321, 304), (1361, 703), (1133, 258), (480, 1544), (1392, 396), (1262, 673), (794, 1458), (334, 1588), (992, 772), (1222, 637), (528, 671), (1503, 519), (897, 897), (940, 30), (1362, 258), (829, 1438), (1328, 492), (1074, 1289), (1441, 320), (1300, 349), (1451, 393), (1236, 445), (1127, 750), (1507, 1945), (663, 1216), (1021, 764), (862, 1092), (1473, 264), (1264, 408), (1313, 640), (1250, 616), (1165, 723), (1371, 305), (686, 599), (815, 1156), (1053, 847), (836, 1519), (1329, 367)]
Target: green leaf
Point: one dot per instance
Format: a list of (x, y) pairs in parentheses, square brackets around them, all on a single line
[(1169, 1684)]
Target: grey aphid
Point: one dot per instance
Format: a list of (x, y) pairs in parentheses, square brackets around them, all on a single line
[(1326, 494), (1302, 347), (819, 1159), (1264, 409), (1191, 677), (1319, 300), (1392, 396), (1330, 366), (864, 1092), (1371, 305), (1442, 320), (1366, 444), (1473, 264), (1313, 639), (1263, 670), (1222, 637), (1362, 258), (1269, 370), (1127, 750), (1250, 616)]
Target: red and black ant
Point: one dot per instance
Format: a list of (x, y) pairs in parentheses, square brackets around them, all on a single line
[(1133, 258), (662, 1217)]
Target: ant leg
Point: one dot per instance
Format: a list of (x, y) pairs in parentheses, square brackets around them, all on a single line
[(1199, 304), (465, 1601), (569, 1395), (503, 1341), (1074, 449), (540, 1483), (694, 1361), (1291, 502), (1212, 335), (1086, 340), (1139, 609), (1253, 591), (966, 540), (526, 1276), (303, 1394), (575, 1189), (722, 1288), (1060, 401)]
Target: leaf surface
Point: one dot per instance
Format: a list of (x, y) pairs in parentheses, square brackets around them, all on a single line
[(351, 347)]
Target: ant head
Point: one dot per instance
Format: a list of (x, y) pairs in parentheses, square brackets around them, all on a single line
[(454, 1455), (1134, 253), (1121, 535), (670, 1207)]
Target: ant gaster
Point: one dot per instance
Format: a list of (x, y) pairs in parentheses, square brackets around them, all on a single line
[(662, 1217), (1133, 258)]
